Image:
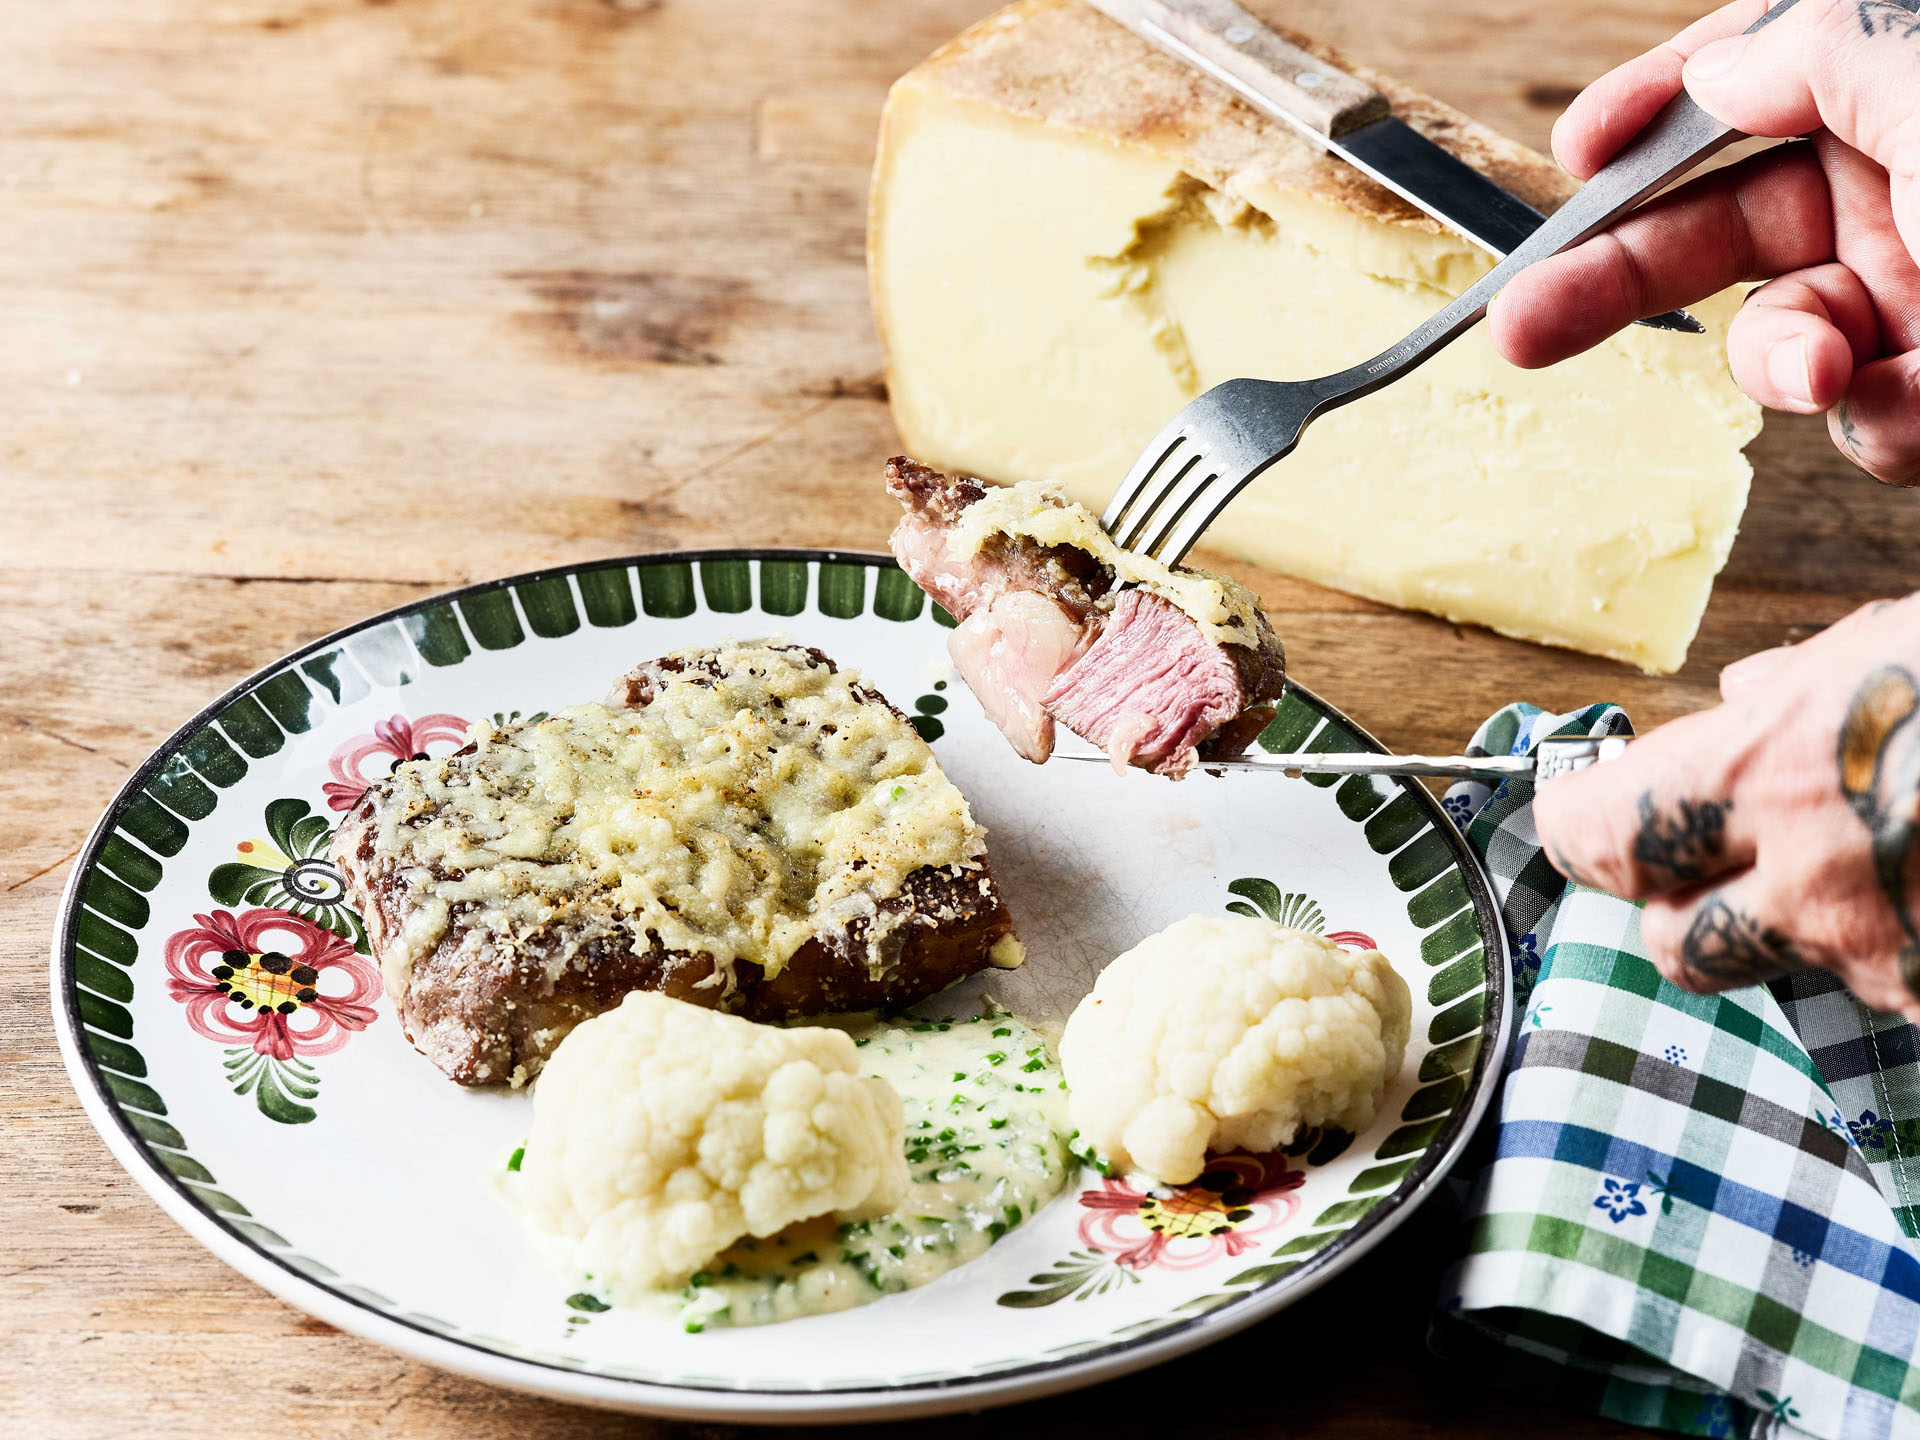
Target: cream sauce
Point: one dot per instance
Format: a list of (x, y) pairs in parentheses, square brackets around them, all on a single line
[(985, 1145)]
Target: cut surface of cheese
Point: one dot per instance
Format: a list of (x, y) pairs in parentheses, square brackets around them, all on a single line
[(1071, 236)]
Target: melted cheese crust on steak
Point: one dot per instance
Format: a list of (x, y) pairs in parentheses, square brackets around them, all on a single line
[(729, 814)]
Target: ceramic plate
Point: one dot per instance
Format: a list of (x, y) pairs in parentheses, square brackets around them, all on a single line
[(318, 1154)]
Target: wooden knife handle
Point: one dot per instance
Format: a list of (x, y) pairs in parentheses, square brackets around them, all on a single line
[(1240, 49)]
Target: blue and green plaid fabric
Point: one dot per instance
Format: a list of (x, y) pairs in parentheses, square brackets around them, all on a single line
[(1690, 1212)]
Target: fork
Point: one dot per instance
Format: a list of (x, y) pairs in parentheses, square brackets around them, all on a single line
[(1554, 756), (1223, 439)]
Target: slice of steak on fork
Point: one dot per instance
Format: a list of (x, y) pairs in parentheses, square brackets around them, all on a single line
[(1051, 632)]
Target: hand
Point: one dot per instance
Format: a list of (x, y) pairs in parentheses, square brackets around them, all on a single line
[(1834, 225), (1778, 830)]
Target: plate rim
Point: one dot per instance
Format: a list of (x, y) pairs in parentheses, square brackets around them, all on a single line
[(1031, 1380)]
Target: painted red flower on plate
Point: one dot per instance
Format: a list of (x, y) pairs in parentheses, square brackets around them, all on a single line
[(1239, 1199), (268, 979), (367, 758)]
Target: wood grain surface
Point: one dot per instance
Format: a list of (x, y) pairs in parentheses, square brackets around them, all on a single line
[(315, 306)]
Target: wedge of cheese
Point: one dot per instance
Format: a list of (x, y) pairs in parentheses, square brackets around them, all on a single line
[(1071, 236)]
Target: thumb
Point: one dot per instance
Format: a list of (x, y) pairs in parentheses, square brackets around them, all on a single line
[(1852, 68)]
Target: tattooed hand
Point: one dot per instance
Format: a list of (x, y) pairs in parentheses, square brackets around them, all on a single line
[(1777, 830), (1833, 225)]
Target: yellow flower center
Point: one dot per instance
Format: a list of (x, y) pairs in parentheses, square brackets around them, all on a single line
[(268, 982)]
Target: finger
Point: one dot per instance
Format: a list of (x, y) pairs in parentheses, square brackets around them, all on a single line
[(1852, 69), (1877, 423), (1869, 242), (1796, 342), (1720, 937), (1768, 215), (1767, 667), (1661, 818), (1747, 675), (1618, 105)]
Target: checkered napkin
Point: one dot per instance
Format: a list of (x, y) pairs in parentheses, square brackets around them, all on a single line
[(1690, 1212)]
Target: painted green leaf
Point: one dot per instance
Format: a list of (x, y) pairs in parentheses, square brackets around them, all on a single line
[(1438, 900), (116, 1055), (1331, 739), (116, 900), (1294, 910), (548, 605), (1359, 796), (667, 590), (1292, 722), (843, 590), (129, 862), (1460, 978), (1421, 861), (1460, 1020), (436, 634), (182, 791), (490, 616), (1409, 1139), (1381, 1177), (105, 939), (288, 700), (783, 586), (101, 978), (1459, 934), (154, 827), (135, 1094), (1440, 1098), (1261, 1274), (334, 673), (607, 594), (1394, 826), (103, 1014), (727, 585), (1456, 1058), (250, 727), (1345, 1212), (1307, 1244), (896, 597)]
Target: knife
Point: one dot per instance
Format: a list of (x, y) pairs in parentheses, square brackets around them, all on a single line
[(1554, 756), (1342, 114)]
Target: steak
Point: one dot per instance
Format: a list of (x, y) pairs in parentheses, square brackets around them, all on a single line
[(1077, 631), (513, 966)]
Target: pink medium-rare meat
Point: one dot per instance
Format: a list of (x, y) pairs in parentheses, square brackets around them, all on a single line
[(1151, 689), (1010, 652), (1046, 633), (1072, 579)]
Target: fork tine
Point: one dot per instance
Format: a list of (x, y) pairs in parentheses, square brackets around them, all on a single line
[(1177, 504), (1169, 440), (1173, 548), (1173, 476)]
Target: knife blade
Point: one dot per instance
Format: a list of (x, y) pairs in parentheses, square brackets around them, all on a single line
[(1345, 116), (1554, 756)]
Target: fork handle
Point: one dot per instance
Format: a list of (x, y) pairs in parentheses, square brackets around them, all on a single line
[(1676, 140), (1226, 38)]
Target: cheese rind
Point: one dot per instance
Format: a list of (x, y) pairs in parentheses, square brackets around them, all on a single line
[(1071, 236)]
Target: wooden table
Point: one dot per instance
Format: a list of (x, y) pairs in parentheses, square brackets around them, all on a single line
[(312, 307)]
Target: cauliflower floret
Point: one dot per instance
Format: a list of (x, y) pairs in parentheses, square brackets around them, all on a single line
[(663, 1132), (1225, 1032)]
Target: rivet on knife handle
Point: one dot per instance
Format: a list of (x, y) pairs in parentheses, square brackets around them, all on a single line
[(1222, 34)]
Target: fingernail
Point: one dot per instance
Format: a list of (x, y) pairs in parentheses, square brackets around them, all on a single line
[(1790, 372), (1710, 62)]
